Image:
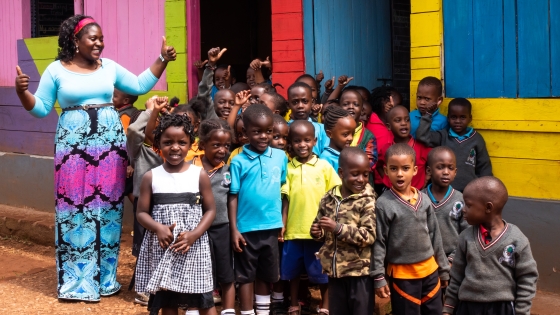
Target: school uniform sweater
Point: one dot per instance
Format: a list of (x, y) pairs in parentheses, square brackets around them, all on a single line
[(406, 234), (472, 157), (503, 270), (220, 179), (449, 215)]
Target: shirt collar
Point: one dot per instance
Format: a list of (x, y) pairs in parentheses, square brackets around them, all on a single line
[(412, 200), (311, 161), (124, 108), (253, 155), (308, 119), (470, 131), (332, 151), (197, 160), (357, 133), (429, 189)]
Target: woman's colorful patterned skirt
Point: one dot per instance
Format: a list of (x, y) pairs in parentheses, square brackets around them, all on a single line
[(90, 171)]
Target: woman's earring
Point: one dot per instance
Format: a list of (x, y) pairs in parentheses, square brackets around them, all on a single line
[(77, 50)]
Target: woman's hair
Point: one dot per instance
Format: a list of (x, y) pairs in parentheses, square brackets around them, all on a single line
[(66, 37), (207, 127), (172, 120), (332, 114)]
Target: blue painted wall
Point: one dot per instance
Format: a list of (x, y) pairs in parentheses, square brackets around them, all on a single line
[(348, 37), (501, 48)]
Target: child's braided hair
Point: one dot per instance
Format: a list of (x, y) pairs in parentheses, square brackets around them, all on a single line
[(172, 120), (332, 114), (207, 127)]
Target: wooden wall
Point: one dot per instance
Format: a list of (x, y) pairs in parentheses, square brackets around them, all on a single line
[(15, 24), (287, 42), (521, 134)]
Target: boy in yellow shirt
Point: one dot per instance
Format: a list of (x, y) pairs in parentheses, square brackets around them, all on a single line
[(308, 179)]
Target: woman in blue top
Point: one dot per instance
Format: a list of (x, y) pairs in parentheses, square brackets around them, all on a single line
[(90, 157)]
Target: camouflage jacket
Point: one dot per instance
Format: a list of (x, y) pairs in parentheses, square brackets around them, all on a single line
[(348, 253)]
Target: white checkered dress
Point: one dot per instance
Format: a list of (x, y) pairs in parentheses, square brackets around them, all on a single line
[(162, 269)]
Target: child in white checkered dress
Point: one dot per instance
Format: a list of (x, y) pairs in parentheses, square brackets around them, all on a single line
[(174, 264)]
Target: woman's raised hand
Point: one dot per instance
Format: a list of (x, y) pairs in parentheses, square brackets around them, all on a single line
[(167, 52), (22, 81)]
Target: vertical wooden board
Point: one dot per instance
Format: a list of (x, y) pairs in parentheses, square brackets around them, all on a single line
[(193, 44), (136, 35), (555, 46), (384, 46), (78, 6), (11, 23), (93, 9), (420, 6), (153, 32), (488, 37), (124, 40), (286, 6), (109, 24), (458, 46), (533, 48), (308, 35), (510, 49)]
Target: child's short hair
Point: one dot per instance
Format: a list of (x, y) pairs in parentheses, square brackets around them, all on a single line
[(266, 86), (299, 84), (436, 151), (350, 153), (308, 76), (207, 127), (239, 86), (280, 103), (395, 108), (355, 91), (379, 96), (358, 89), (461, 102), (400, 149), (490, 188), (197, 106), (432, 81), (332, 114), (297, 123), (172, 120), (277, 119), (254, 112)]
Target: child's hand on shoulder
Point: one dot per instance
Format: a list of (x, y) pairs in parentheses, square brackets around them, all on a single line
[(199, 64), (184, 242), (242, 97), (343, 80), (329, 85), (316, 230), (165, 234), (214, 54), (383, 292), (327, 224), (319, 77), (236, 239)]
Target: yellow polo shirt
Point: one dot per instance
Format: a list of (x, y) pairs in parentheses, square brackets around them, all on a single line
[(305, 185)]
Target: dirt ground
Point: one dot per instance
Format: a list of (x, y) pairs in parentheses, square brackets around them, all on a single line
[(28, 284)]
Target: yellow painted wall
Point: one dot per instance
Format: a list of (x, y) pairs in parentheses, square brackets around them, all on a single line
[(522, 135)]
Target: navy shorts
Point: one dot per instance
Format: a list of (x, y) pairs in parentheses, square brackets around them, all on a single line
[(298, 257)]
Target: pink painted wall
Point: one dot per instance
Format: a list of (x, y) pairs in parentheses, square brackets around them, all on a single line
[(15, 24), (193, 44), (132, 30)]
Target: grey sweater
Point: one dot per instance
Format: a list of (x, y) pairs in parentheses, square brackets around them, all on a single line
[(205, 90), (472, 157), (503, 270), (141, 157), (406, 234), (449, 215), (220, 181)]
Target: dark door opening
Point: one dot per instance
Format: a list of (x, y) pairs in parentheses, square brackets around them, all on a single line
[(241, 26)]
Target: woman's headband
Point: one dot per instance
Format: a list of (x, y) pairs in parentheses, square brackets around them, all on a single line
[(82, 23)]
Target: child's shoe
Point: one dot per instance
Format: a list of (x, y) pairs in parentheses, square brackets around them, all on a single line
[(142, 298), (217, 297)]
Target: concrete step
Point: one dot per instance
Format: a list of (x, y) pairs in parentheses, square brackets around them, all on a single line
[(28, 224)]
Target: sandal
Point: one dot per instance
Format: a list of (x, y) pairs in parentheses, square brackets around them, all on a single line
[(294, 309), (322, 311)]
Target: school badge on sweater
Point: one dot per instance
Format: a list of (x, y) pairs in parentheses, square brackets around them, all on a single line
[(507, 256), (455, 212)]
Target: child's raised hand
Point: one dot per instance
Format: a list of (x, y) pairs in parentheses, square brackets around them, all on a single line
[(383, 292), (242, 97), (165, 235), (319, 76), (266, 63), (214, 54), (227, 73), (236, 239), (329, 85), (161, 102), (343, 80), (22, 81), (183, 243), (316, 109), (388, 105), (255, 64), (199, 64), (431, 108), (327, 224), (316, 230), (150, 103)]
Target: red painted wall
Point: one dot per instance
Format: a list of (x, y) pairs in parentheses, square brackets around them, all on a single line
[(287, 42)]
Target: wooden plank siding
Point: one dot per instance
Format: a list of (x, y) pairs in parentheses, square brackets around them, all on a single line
[(15, 24), (521, 133)]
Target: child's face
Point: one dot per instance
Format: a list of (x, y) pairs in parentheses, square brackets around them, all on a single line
[(352, 102), (342, 134), (475, 210), (300, 102), (354, 174), (216, 148), (443, 169), (220, 79), (174, 145), (259, 133), (397, 98), (267, 100), (239, 134), (279, 136), (256, 93), (400, 169), (224, 101), (399, 123), (313, 84), (119, 99), (459, 119), (425, 96), (302, 141), (251, 77), (366, 111)]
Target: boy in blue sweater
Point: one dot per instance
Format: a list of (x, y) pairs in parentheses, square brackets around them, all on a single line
[(430, 90), (255, 210)]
